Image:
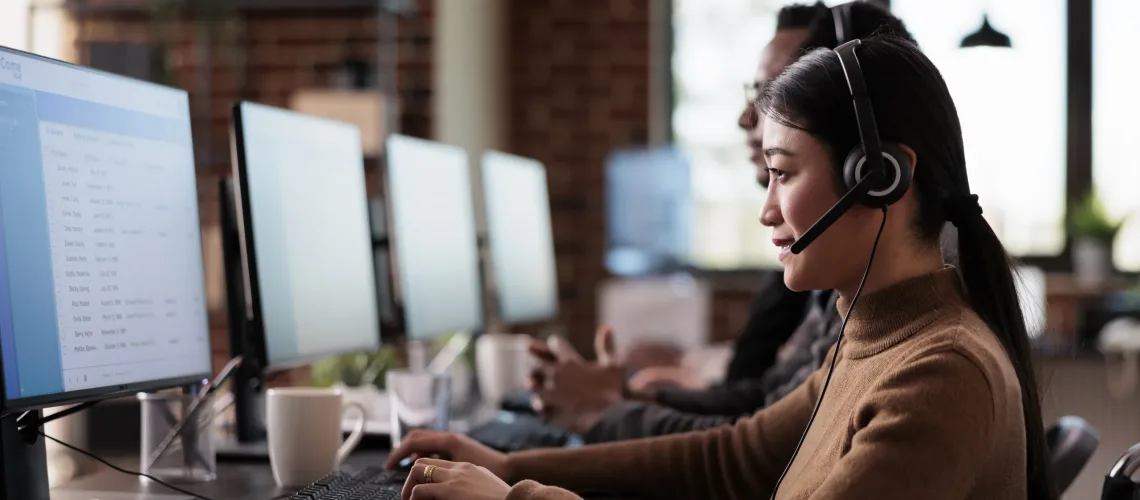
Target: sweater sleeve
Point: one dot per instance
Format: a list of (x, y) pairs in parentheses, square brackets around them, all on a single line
[(730, 462), (735, 399), (916, 439), (530, 490), (634, 420)]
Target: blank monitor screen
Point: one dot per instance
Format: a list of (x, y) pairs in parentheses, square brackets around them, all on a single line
[(434, 234), (101, 281), (308, 242), (521, 241)]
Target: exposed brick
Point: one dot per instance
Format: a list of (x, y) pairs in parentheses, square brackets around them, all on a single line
[(578, 77)]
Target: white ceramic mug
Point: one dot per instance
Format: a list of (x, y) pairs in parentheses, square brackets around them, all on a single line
[(502, 364), (304, 427)]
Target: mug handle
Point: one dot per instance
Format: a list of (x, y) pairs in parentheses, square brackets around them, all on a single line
[(357, 433)]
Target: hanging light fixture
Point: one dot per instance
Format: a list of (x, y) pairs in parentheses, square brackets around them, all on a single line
[(986, 36)]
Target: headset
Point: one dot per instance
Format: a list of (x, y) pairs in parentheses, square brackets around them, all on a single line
[(876, 174)]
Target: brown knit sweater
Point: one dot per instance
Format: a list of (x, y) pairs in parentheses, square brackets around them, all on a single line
[(924, 403)]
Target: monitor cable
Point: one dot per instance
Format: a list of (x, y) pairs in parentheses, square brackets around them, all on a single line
[(835, 355), (120, 469)]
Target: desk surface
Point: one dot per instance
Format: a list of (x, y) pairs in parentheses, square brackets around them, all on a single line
[(236, 480)]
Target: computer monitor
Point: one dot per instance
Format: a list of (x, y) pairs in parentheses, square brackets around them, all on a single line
[(305, 241), (306, 235), (434, 238), (649, 211), (101, 276), (520, 238)]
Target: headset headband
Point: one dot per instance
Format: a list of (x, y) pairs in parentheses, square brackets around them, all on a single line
[(841, 16), (864, 114)]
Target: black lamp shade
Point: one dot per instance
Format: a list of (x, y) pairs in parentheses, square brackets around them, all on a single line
[(986, 36)]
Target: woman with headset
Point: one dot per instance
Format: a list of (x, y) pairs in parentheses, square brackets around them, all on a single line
[(930, 392)]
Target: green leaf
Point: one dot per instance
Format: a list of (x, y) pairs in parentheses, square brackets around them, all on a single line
[(1089, 219)]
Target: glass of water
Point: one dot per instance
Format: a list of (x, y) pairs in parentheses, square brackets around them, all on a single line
[(418, 400)]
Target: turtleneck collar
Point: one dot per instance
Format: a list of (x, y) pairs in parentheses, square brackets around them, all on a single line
[(884, 318)]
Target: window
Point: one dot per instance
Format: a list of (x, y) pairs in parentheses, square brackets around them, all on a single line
[(14, 24), (717, 46), (1116, 166), (1012, 107), (47, 25)]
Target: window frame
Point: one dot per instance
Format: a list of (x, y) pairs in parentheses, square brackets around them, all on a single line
[(1078, 161)]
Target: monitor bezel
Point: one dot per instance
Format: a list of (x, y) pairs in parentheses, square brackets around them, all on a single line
[(254, 326), (30, 403)]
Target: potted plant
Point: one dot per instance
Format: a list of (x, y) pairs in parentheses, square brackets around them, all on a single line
[(354, 370), (1092, 232)]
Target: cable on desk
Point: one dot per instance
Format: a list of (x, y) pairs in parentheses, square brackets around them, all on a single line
[(122, 470)]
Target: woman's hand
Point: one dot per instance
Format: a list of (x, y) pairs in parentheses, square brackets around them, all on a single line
[(432, 479), (455, 447)]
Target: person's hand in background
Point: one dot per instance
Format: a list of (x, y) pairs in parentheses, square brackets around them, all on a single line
[(571, 391)]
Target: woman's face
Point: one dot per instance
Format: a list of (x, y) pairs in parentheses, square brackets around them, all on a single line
[(803, 187)]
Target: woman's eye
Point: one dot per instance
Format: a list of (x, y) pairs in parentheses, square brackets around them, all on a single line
[(775, 173)]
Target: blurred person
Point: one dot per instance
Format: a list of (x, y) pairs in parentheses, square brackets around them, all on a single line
[(595, 401), (930, 392)]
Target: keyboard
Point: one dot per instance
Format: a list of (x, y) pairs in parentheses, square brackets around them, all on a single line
[(373, 483), (517, 432)]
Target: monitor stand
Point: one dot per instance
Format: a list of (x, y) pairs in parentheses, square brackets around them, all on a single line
[(248, 443), (237, 451)]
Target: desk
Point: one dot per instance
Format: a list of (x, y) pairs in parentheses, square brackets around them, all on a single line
[(236, 480)]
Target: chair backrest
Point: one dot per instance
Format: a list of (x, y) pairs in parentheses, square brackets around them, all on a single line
[(1118, 484), (1072, 442)]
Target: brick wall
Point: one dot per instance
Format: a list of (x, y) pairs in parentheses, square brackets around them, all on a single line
[(578, 82), (264, 56)]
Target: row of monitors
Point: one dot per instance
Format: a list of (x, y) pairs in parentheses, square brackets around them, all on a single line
[(306, 236), (101, 273)]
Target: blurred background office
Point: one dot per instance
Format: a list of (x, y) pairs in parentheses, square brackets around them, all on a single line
[(632, 107)]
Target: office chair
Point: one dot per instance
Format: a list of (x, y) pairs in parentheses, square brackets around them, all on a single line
[(1071, 442), (1118, 483)]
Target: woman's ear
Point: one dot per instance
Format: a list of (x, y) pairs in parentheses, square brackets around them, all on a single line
[(911, 156)]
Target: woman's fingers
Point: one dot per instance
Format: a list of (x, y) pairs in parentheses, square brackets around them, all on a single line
[(420, 443), (426, 471), (433, 491)]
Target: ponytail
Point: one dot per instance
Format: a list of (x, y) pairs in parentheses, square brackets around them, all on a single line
[(987, 273)]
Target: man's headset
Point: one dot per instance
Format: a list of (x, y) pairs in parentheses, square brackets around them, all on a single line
[(876, 174)]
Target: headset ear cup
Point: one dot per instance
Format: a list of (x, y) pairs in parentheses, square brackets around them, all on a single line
[(888, 191), (905, 171), (849, 166)]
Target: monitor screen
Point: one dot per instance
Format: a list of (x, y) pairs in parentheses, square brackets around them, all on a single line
[(307, 237), (101, 281), (520, 238), (433, 229)]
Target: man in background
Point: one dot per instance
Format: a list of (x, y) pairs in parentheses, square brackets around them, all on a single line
[(787, 335)]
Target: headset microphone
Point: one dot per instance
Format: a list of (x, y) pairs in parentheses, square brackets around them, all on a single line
[(836, 211)]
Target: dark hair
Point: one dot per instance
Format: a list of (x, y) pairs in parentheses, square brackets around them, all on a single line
[(867, 20), (798, 15), (913, 107)]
